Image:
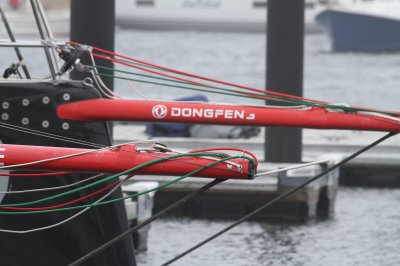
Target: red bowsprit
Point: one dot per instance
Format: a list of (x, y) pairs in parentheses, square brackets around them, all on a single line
[(118, 160), (202, 113)]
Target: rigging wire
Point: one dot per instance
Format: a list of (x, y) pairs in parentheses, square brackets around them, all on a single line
[(52, 188), (139, 65), (65, 220), (225, 91), (63, 157), (128, 171), (133, 87), (168, 209), (65, 203), (228, 83), (99, 201), (159, 188), (50, 135), (236, 93), (171, 207), (181, 82), (264, 206), (171, 77), (120, 182), (381, 116), (72, 155), (85, 143), (197, 76), (261, 96), (99, 82), (229, 149), (90, 144), (271, 95), (100, 147), (292, 167), (35, 174), (117, 199), (279, 198)]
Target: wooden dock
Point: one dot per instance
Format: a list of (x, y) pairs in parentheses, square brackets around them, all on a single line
[(235, 198)]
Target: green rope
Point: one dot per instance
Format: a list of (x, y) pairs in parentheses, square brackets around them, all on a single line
[(236, 93), (113, 176), (176, 86), (184, 82), (129, 196)]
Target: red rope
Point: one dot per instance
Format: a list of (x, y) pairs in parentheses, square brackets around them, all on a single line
[(35, 175), (211, 79), (146, 69), (264, 97), (205, 78), (63, 204)]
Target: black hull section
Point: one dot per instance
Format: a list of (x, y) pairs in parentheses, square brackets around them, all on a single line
[(66, 243)]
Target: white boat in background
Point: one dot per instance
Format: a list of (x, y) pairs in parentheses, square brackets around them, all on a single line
[(21, 19), (363, 25), (204, 15)]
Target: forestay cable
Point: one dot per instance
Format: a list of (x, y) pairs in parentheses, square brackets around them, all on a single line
[(146, 222), (279, 198)]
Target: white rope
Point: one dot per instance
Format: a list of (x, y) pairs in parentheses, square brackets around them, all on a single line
[(72, 140), (396, 119), (68, 219), (49, 135), (130, 84), (99, 82), (52, 188), (292, 167), (73, 155)]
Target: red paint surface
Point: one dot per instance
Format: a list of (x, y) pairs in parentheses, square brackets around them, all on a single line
[(118, 160), (137, 110)]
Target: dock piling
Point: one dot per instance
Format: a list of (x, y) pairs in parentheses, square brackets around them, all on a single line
[(285, 45), (93, 23)]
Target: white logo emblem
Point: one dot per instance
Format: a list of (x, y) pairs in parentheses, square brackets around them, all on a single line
[(159, 111)]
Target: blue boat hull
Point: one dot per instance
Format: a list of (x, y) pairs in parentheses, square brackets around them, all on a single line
[(360, 32)]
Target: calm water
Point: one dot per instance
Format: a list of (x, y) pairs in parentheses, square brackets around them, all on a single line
[(365, 230)]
